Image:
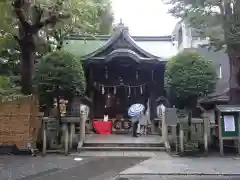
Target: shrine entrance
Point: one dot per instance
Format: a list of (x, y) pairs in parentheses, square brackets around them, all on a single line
[(123, 82), (120, 74)]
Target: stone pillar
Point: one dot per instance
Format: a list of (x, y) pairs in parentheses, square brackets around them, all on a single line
[(206, 130), (66, 138), (238, 140), (220, 134), (81, 132), (44, 134), (72, 133), (164, 125), (84, 110), (181, 140)]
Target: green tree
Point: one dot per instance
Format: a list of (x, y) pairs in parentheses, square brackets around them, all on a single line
[(218, 20), (188, 77), (104, 17), (58, 75), (88, 18), (29, 22)]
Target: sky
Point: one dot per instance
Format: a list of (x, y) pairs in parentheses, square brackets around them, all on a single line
[(144, 17)]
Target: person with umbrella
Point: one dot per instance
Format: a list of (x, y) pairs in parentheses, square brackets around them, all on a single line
[(135, 111)]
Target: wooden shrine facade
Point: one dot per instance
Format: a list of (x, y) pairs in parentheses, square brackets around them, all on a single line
[(121, 73)]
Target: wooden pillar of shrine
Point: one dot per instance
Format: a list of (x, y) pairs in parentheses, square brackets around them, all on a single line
[(91, 110), (152, 105)]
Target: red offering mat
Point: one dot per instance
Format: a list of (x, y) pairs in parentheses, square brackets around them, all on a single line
[(102, 127)]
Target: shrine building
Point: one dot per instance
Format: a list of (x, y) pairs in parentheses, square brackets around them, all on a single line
[(121, 71)]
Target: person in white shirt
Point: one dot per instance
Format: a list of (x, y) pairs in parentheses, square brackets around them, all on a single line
[(144, 122)]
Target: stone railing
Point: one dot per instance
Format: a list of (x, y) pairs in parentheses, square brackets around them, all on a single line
[(68, 129)]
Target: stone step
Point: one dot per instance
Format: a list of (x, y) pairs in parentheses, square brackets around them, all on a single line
[(136, 145), (122, 148)]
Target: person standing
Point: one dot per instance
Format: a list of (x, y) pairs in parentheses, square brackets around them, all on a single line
[(135, 121), (144, 122)]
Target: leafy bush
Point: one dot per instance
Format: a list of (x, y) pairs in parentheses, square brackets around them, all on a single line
[(59, 74), (7, 88), (189, 76)]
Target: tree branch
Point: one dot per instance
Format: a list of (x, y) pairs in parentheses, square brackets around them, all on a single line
[(18, 9), (17, 39), (39, 13), (37, 26), (50, 20)]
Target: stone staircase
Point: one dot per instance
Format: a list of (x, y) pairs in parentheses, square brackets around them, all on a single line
[(123, 143)]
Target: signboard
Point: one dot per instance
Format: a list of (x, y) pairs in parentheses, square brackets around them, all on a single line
[(229, 124), (171, 116)]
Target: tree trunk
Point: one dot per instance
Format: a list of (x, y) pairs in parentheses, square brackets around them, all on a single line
[(230, 22), (234, 81), (27, 62)]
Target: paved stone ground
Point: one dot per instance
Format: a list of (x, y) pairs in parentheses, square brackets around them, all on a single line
[(158, 177), (160, 167), (166, 165), (59, 167)]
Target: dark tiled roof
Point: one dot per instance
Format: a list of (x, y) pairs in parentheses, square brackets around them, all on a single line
[(106, 37), (121, 38), (228, 108)]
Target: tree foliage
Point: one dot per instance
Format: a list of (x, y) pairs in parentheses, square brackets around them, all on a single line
[(79, 16), (189, 77), (35, 23), (59, 75), (105, 17), (218, 20), (88, 17), (7, 87), (10, 55)]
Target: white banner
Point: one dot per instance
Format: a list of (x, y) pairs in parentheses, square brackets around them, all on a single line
[(229, 124)]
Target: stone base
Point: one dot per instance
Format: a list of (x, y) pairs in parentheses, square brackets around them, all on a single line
[(6, 149)]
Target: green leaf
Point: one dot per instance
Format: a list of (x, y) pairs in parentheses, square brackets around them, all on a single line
[(188, 77), (59, 74)]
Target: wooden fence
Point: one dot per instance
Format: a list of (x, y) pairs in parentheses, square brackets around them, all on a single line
[(19, 121)]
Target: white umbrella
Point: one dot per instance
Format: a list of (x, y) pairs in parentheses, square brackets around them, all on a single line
[(135, 109)]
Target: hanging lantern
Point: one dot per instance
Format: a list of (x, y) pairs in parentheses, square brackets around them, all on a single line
[(141, 89), (106, 72), (114, 90), (137, 75), (121, 81), (108, 101), (103, 90), (152, 75)]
